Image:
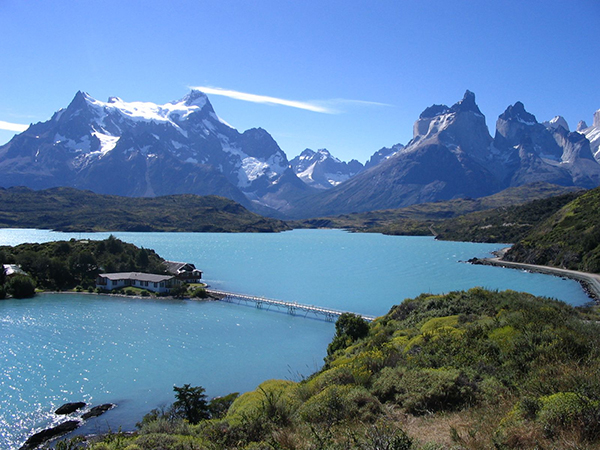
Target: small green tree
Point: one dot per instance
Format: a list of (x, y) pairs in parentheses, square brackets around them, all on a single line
[(348, 328), (219, 406), (21, 286), (191, 403)]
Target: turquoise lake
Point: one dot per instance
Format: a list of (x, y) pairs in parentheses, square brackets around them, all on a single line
[(57, 348)]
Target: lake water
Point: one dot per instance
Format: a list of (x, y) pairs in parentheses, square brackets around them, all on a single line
[(56, 348)]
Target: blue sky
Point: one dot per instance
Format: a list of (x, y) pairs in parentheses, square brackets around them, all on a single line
[(372, 66)]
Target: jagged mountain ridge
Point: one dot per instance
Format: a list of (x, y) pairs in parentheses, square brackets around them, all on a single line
[(143, 149), (322, 170), (453, 155)]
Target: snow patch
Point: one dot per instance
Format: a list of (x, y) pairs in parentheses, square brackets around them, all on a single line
[(107, 142)]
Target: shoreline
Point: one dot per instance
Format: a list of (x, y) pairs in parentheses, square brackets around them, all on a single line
[(589, 281)]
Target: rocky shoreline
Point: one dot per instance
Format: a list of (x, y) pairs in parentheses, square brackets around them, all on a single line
[(41, 437)]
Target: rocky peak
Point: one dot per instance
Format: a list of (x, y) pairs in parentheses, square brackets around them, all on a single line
[(434, 110), (195, 98), (517, 112), (466, 104), (597, 119), (556, 122), (582, 125)]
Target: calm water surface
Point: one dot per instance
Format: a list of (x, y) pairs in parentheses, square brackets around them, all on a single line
[(66, 347)]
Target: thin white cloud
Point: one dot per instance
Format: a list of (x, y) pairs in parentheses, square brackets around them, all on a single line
[(309, 106), (12, 126), (320, 106)]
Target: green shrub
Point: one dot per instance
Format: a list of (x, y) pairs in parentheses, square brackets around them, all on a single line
[(21, 286), (145, 293), (79, 288), (563, 410), (158, 441), (338, 403), (430, 390), (199, 293)]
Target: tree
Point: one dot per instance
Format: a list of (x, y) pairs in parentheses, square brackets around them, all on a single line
[(219, 406), (348, 328), (21, 286), (191, 403), (142, 260)]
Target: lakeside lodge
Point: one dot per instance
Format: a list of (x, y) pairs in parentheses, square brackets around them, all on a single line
[(179, 273), (151, 282)]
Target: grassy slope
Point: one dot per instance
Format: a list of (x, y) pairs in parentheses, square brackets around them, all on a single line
[(570, 238), (475, 369), (505, 224), (68, 209)]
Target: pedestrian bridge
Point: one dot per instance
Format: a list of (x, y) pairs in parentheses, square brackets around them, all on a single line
[(280, 305)]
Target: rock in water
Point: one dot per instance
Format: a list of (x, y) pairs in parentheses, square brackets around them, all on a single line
[(68, 408), (97, 411), (38, 439)]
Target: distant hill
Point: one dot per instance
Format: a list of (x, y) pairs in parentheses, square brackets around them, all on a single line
[(570, 238), (68, 209), (505, 224), (417, 219)]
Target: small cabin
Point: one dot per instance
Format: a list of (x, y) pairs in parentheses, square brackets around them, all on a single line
[(155, 283), (186, 272)]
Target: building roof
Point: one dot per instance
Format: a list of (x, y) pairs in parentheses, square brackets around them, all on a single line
[(150, 277), (175, 267), (13, 269)]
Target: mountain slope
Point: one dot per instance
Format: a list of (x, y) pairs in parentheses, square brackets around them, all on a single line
[(144, 150)]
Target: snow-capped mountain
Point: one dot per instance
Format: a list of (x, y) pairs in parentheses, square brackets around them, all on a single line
[(145, 149), (543, 152), (453, 155), (322, 170), (592, 134), (383, 154)]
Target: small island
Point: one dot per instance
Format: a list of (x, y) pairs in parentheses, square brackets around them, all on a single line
[(105, 266)]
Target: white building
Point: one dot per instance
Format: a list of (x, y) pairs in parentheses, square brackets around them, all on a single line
[(148, 281)]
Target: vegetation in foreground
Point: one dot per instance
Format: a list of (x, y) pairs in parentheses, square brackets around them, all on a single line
[(69, 209), (466, 370)]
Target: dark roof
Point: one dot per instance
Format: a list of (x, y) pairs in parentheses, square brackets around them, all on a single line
[(174, 266), (136, 276)]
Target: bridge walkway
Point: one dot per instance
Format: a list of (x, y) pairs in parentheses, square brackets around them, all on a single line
[(293, 308)]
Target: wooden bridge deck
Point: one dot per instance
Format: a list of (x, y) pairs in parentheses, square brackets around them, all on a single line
[(291, 307)]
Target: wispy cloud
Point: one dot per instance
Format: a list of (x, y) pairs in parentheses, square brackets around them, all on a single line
[(12, 126), (334, 106)]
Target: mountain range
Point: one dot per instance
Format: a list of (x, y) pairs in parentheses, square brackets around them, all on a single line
[(452, 155), (142, 149)]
